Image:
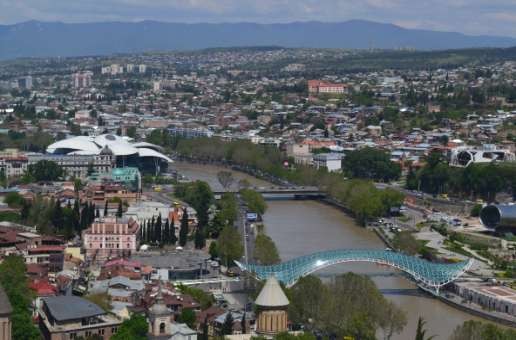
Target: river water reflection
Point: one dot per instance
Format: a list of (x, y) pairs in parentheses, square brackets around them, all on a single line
[(304, 227)]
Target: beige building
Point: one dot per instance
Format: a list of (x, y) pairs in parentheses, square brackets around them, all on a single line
[(300, 152), (272, 307)]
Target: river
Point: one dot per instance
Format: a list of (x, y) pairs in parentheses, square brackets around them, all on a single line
[(304, 227)]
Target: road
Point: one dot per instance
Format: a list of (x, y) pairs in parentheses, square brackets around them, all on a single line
[(243, 227)]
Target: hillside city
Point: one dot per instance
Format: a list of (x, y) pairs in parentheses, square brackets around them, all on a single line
[(138, 193)]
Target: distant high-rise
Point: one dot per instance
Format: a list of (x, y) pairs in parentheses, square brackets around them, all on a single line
[(25, 83), (142, 68), (82, 79), (129, 68)]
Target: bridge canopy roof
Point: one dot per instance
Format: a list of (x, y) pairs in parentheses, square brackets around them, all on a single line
[(431, 274)]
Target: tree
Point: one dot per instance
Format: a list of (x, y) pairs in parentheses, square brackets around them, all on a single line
[(44, 171), (404, 241), (230, 245), (227, 326), (120, 210), (476, 330), (3, 178), (307, 300), (254, 200), (243, 323), (58, 217), (214, 251), (187, 316), (14, 200), (14, 282), (265, 251), (135, 328), (243, 184), (372, 164), (350, 306), (421, 331), (225, 179), (199, 195), (183, 231), (166, 232), (172, 232), (157, 230), (392, 320), (199, 239)]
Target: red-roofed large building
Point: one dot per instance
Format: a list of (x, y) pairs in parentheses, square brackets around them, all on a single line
[(319, 86)]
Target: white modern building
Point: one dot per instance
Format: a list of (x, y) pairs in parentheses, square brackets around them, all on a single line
[(145, 156), (466, 155)]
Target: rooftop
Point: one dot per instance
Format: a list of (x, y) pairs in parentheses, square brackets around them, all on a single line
[(65, 308), (272, 295)]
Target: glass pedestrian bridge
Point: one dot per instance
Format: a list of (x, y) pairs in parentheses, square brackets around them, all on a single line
[(430, 275)]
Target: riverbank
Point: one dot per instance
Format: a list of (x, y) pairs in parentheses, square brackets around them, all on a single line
[(456, 301), (304, 227)]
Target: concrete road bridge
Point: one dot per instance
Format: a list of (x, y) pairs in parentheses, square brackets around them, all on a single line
[(285, 193)]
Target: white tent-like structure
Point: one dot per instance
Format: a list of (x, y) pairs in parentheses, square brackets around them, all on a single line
[(272, 295), (125, 152)]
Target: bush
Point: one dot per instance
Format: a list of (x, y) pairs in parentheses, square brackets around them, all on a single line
[(475, 211)]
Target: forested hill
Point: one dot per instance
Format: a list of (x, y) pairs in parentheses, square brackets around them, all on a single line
[(47, 39)]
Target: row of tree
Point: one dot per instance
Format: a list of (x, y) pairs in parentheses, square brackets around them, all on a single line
[(50, 217), (359, 196), (476, 180), (156, 232)]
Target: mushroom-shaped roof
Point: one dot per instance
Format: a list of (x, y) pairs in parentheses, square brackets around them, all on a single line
[(147, 145), (107, 139), (272, 295), (145, 152), (79, 143)]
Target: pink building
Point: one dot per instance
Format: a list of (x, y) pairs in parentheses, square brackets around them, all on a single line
[(110, 237)]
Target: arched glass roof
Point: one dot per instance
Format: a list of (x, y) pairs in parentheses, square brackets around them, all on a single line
[(430, 274)]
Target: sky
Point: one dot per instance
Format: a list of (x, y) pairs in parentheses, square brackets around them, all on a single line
[(490, 17)]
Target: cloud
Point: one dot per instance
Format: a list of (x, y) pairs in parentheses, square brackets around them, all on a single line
[(468, 16)]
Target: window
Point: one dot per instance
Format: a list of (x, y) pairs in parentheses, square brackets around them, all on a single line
[(73, 335), (87, 333), (101, 331), (113, 330)]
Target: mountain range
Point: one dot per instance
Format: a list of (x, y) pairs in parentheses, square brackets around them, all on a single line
[(53, 39)]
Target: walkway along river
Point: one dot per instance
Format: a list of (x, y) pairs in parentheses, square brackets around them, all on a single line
[(304, 227)]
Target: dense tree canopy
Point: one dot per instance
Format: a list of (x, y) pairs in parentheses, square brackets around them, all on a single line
[(44, 171), (265, 251), (135, 328), (254, 200), (14, 282), (230, 245), (476, 330), (199, 195), (349, 306), (476, 180), (372, 164)]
